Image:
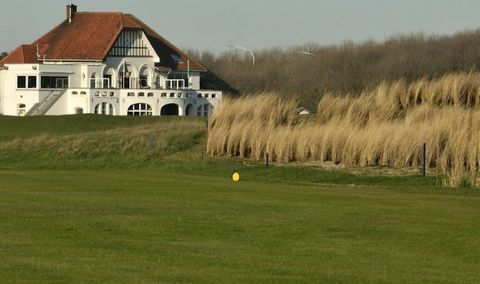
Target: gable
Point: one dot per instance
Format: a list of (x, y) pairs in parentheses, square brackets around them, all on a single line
[(132, 43), (170, 56)]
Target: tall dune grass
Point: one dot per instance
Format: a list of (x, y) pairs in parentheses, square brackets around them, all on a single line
[(383, 126)]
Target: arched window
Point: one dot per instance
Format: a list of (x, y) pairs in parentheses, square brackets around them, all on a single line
[(94, 81), (158, 81), (109, 78), (140, 110), (202, 110), (104, 108), (78, 110), (128, 76), (145, 77)]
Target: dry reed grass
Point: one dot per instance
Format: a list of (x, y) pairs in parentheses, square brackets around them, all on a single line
[(383, 126)]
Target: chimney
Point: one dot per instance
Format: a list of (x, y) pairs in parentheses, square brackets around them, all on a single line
[(71, 10)]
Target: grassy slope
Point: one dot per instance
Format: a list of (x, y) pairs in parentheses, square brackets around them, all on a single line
[(14, 127), (131, 211)]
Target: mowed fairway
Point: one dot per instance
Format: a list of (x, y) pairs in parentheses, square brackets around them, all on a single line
[(157, 226)]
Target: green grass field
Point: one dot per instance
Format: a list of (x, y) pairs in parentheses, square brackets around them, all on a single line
[(95, 199)]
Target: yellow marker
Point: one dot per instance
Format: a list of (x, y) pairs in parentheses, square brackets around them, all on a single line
[(236, 177)]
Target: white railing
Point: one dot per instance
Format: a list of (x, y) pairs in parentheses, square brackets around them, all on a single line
[(175, 84), (100, 83)]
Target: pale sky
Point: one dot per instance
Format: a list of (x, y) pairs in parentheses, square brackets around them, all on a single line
[(214, 24)]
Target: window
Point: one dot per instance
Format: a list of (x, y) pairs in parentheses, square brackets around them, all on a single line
[(104, 108), (144, 82), (206, 96), (21, 82), (107, 81), (179, 95), (150, 95), (24, 82), (175, 58), (177, 81), (141, 94), (140, 110), (32, 82), (74, 93), (204, 110), (199, 95), (131, 94), (172, 95), (112, 94), (214, 96), (53, 82), (164, 95), (94, 81), (83, 93)]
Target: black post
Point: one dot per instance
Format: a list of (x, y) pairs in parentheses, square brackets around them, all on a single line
[(266, 160), (424, 159)]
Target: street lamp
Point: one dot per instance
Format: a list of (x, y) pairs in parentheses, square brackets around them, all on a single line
[(245, 49), (306, 53)]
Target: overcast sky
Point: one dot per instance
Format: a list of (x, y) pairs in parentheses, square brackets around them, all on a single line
[(213, 24)]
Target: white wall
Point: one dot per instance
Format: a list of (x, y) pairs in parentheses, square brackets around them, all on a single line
[(11, 96), (2, 82), (195, 80)]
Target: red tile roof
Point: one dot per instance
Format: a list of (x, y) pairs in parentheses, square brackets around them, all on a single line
[(90, 36), (22, 54)]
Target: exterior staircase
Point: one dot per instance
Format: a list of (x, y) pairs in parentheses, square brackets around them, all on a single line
[(42, 107)]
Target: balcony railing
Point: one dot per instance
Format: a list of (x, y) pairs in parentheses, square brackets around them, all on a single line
[(137, 83), (175, 84), (100, 83), (145, 93)]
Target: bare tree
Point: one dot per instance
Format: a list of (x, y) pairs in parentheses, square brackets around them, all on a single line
[(308, 71)]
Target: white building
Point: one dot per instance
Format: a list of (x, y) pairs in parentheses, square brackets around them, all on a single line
[(104, 63)]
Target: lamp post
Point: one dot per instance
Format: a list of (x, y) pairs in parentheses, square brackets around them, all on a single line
[(305, 52), (245, 49)]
